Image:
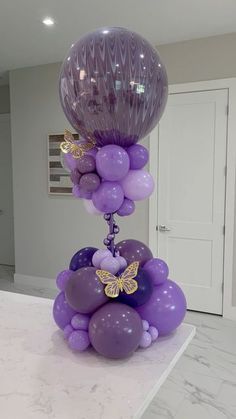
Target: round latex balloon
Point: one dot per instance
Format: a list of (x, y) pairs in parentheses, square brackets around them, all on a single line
[(127, 208), (108, 197), (84, 291), (62, 311), (82, 258), (134, 251), (143, 293), (138, 156), (113, 86), (115, 330), (137, 185), (112, 162), (157, 269), (166, 308)]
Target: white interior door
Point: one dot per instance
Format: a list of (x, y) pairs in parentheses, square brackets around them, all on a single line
[(6, 199), (191, 194)]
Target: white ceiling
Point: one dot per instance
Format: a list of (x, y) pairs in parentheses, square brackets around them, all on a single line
[(25, 41)]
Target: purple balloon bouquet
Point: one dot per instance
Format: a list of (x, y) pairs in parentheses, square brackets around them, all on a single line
[(113, 90)]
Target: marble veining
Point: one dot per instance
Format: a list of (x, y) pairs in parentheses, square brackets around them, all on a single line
[(42, 379)]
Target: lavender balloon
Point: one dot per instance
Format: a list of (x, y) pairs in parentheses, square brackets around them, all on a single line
[(62, 279), (157, 270), (115, 330), (112, 162), (127, 208), (62, 311), (86, 164), (89, 182), (137, 185), (166, 308), (108, 197), (138, 156), (113, 85), (79, 340)]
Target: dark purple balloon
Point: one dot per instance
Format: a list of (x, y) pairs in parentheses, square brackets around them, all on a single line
[(134, 251), (114, 86), (166, 308), (62, 312), (84, 291), (86, 164), (157, 269), (89, 182), (115, 330), (143, 293), (138, 155), (127, 208), (82, 258)]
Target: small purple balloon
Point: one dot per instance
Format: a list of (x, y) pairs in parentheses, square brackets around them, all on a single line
[(69, 161), (80, 321), (110, 264), (138, 156), (79, 340), (109, 197), (137, 185), (157, 270), (145, 325), (84, 291), (62, 279), (146, 340), (122, 262), (86, 164), (67, 331), (115, 330), (127, 208), (62, 311), (166, 308), (153, 332), (134, 251), (89, 182), (112, 162), (82, 258), (79, 193), (75, 176), (99, 255)]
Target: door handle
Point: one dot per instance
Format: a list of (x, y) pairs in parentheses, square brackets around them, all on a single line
[(163, 228)]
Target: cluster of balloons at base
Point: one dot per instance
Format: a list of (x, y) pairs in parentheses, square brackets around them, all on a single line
[(116, 326)]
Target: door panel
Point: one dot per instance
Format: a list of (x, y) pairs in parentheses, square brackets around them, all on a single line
[(191, 194)]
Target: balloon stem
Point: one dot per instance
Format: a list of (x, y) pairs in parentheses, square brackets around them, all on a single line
[(113, 230)]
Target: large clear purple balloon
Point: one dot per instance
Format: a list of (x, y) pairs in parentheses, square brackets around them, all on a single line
[(166, 308), (112, 162), (115, 330), (134, 251), (62, 311), (137, 185), (114, 86), (108, 197), (84, 291), (82, 258), (143, 293)]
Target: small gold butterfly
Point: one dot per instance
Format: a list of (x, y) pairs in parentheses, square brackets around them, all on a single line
[(77, 150), (125, 282)]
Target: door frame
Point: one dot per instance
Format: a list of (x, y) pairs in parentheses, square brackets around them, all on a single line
[(229, 311)]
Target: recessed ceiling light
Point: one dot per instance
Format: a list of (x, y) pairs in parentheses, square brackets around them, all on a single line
[(48, 21)]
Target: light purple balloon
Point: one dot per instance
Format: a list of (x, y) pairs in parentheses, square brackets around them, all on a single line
[(62, 279), (89, 182), (137, 185), (108, 197), (110, 264), (114, 86), (145, 325), (75, 176), (80, 321), (62, 311), (69, 161), (157, 270), (138, 156), (115, 330), (112, 162), (79, 193), (79, 340), (127, 208), (146, 340), (122, 262), (90, 208), (99, 255), (67, 331), (166, 308), (153, 332)]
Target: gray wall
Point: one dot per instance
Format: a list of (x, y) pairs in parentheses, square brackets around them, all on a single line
[(4, 99), (48, 230)]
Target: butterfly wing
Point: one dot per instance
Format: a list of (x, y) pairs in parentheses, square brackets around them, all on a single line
[(130, 286), (131, 271), (112, 289), (111, 281), (65, 147), (68, 136)]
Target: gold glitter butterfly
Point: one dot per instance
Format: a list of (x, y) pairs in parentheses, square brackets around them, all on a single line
[(125, 282), (77, 150)]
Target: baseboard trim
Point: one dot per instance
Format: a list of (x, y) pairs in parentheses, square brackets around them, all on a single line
[(35, 282), (230, 313)]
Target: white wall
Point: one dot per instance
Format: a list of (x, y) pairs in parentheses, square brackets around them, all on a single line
[(48, 230), (4, 99)]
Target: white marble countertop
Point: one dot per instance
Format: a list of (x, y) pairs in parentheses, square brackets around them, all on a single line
[(41, 378)]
